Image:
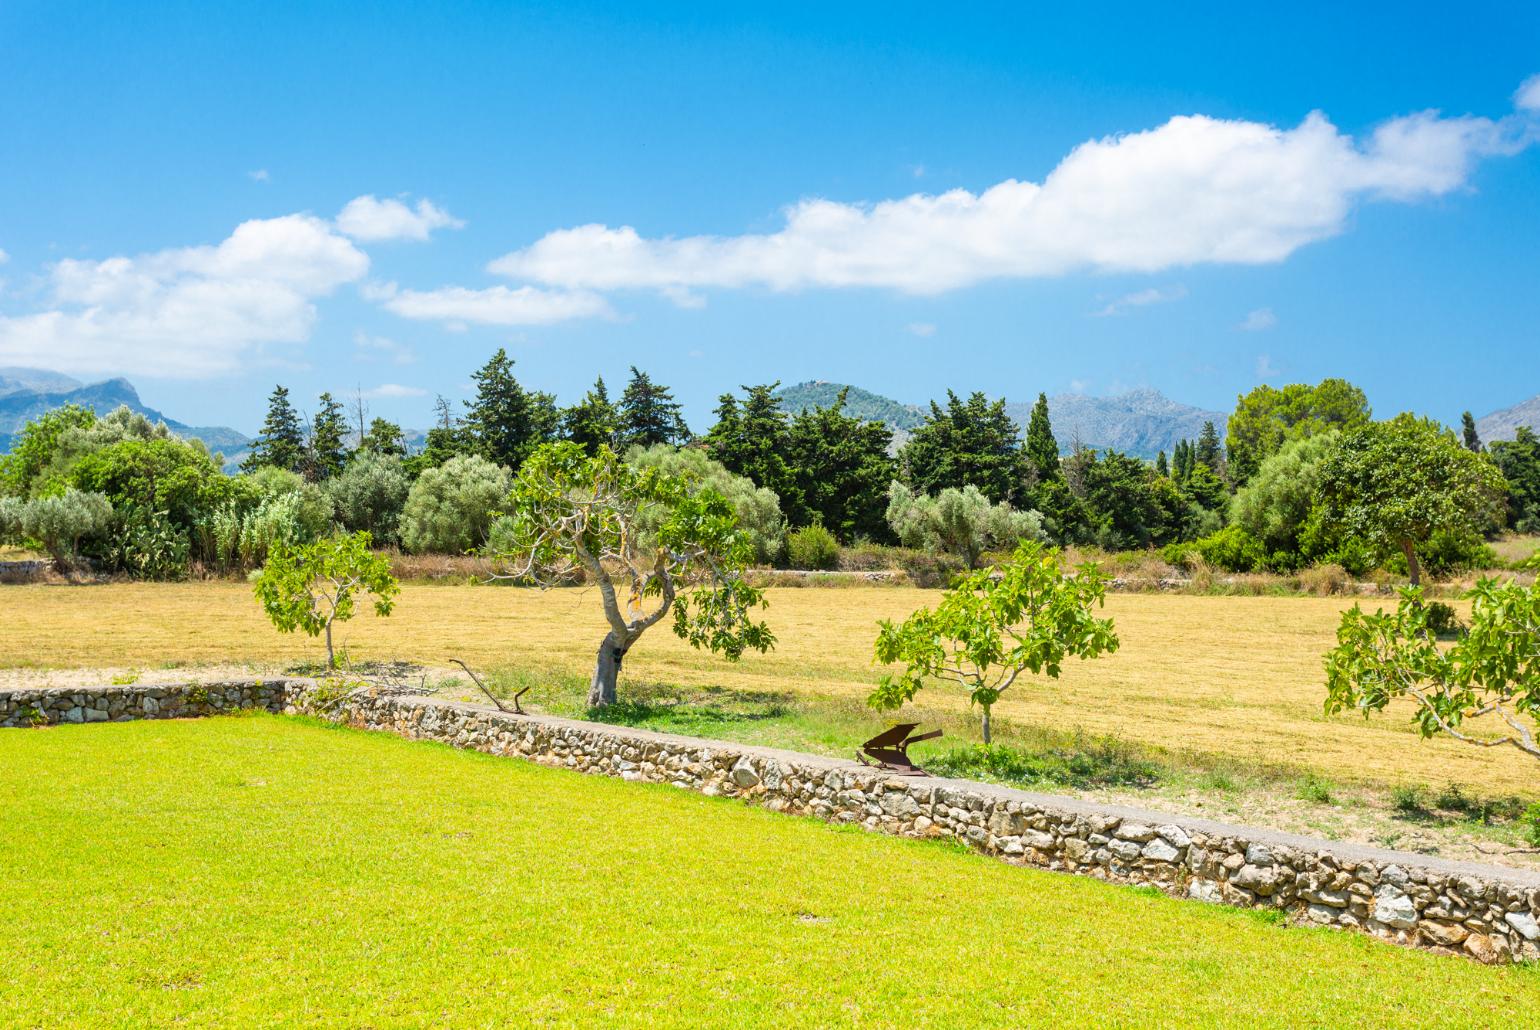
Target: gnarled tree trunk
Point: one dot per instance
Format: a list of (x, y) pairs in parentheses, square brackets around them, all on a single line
[(601, 690)]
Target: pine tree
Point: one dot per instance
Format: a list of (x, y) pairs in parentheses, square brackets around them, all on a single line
[(384, 437), (969, 442), (842, 471), (1162, 467), (1468, 431), (593, 421), (1209, 452), (752, 439), (505, 421), (447, 439), (282, 441), (327, 453), (1042, 448), (649, 414)]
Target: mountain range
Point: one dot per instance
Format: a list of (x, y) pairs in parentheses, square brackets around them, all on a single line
[(1139, 422), (26, 393), (1500, 425)]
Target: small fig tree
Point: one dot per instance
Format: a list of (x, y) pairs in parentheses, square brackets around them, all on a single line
[(653, 541), (1492, 670), (995, 624), (308, 587)]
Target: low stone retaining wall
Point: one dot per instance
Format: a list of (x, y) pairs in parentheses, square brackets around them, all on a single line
[(1488, 913)]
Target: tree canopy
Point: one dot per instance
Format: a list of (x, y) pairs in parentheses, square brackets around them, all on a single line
[(1394, 484), (1268, 416), (649, 414), (967, 442)]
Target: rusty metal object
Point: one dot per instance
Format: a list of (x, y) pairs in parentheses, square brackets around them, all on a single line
[(890, 749)]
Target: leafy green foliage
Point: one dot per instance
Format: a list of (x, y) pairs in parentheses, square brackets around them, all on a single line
[(1267, 417), (385, 438), (168, 475), (145, 543), (1394, 484), (642, 529), (370, 494), (758, 510), (308, 588), (1124, 503), (1232, 549), (1519, 461), (1041, 447), (1492, 671), (968, 442), (35, 448), (59, 522), (450, 508), (993, 625), (842, 469), (1278, 505), (812, 547), (1086, 764), (753, 439), (959, 522)]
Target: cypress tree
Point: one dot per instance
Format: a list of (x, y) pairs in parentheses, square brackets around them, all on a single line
[(282, 440), (1208, 451), (1042, 448), (1162, 468), (649, 414), (1468, 431)]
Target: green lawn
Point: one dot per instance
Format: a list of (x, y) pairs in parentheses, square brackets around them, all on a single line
[(261, 871)]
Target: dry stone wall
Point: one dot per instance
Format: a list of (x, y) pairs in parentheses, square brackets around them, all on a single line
[(1487, 913)]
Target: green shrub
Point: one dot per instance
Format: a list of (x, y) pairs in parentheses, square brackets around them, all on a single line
[(449, 509), (146, 544), (758, 508), (369, 494), (1442, 620), (1233, 549), (1407, 800), (1085, 763), (812, 547), (1530, 825), (959, 522), (1315, 789), (61, 522)]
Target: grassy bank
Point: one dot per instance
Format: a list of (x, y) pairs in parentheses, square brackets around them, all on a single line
[(326, 877)]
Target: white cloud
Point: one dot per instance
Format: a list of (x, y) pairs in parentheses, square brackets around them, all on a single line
[(1195, 190), (1265, 368), (259, 175), (1142, 299), (371, 348), (1258, 321), (1528, 96), (4, 257), (394, 390), (921, 328), (369, 218), (495, 305), (186, 312)]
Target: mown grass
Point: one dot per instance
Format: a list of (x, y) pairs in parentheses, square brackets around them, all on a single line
[(1229, 676), (259, 871)]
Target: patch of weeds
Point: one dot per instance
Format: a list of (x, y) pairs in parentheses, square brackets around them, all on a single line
[(1146, 891), (1529, 825), (1220, 780), (1314, 789), (1408, 801), (125, 679), (198, 696), (1104, 762), (1265, 916), (1453, 798), (698, 712), (32, 715)]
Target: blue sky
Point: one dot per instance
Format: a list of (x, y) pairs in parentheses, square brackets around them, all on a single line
[(766, 196)]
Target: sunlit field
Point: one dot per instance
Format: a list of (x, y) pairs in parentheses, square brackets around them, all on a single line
[(1229, 676), (314, 876)]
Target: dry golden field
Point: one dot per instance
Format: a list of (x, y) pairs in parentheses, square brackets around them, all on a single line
[(1236, 676)]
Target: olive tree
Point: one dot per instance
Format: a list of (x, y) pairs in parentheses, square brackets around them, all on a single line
[(1395, 484), (654, 542), (59, 522), (959, 522), (311, 586), (370, 493), (995, 624), (1492, 671), (758, 508), (449, 509)]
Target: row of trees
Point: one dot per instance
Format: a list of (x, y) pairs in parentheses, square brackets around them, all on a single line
[(1304, 475)]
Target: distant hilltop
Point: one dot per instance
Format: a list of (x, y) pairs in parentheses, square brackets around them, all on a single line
[(26, 393), (1139, 422)]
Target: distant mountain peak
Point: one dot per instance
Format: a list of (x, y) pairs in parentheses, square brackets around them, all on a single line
[(1501, 425)]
